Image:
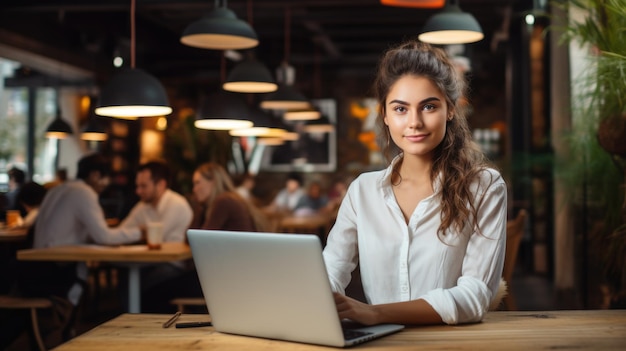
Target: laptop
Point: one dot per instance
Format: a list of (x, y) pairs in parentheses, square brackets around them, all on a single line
[(272, 285)]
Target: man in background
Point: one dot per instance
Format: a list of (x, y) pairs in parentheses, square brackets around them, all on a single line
[(158, 203), (70, 214)]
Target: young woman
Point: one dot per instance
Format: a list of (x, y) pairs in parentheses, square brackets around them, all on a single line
[(219, 205), (428, 232)]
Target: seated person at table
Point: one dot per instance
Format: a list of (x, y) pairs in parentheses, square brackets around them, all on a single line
[(30, 196), (313, 201), (246, 184), (219, 206), (287, 198), (17, 177), (70, 214), (429, 231), (158, 203)]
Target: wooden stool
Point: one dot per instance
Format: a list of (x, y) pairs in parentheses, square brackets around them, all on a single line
[(182, 302), (14, 302)]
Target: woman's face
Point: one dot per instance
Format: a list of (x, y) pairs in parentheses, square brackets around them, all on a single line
[(416, 113), (202, 187)]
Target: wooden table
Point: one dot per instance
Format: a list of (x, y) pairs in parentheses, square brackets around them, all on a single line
[(311, 224), (13, 234), (552, 330), (132, 256)]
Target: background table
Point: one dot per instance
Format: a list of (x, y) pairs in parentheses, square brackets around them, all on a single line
[(132, 256), (13, 234), (553, 330)]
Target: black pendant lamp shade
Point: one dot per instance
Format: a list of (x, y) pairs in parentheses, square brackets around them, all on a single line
[(133, 93), (302, 115), (250, 77), (223, 111), (451, 26), (320, 125), (285, 98), (94, 130), (59, 128), (220, 30), (265, 125)]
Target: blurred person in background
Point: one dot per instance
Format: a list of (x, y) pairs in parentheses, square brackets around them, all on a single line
[(313, 201), (287, 198), (245, 186), (30, 196), (157, 203), (17, 178), (70, 214), (219, 205)]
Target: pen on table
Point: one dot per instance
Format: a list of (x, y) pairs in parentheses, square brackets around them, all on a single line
[(193, 324), (171, 320)]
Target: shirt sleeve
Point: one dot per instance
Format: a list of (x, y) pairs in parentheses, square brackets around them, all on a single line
[(469, 300), (340, 253), (176, 219), (90, 213)]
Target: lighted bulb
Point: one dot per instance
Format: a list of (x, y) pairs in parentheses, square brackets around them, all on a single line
[(118, 61), (530, 19), (161, 123)]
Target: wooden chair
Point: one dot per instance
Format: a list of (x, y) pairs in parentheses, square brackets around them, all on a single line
[(514, 232), (14, 302)]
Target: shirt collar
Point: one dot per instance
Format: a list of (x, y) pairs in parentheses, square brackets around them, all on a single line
[(385, 177)]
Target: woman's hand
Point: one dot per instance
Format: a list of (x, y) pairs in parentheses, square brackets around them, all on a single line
[(355, 310)]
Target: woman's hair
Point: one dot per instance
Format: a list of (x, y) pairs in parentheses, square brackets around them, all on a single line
[(222, 183), (457, 159)]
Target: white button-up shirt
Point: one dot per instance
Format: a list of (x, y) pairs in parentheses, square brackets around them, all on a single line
[(70, 214), (173, 210), (458, 274)]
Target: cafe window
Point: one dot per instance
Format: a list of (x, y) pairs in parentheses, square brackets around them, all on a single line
[(16, 126)]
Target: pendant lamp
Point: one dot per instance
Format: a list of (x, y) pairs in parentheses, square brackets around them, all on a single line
[(451, 26), (424, 4), (220, 30), (271, 141), (321, 125), (59, 128), (223, 111), (133, 93), (286, 97), (94, 130), (302, 115), (265, 125), (250, 76)]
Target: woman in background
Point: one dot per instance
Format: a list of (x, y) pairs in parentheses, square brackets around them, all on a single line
[(219, 206)]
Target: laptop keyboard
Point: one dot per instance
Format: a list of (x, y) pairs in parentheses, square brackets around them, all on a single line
[(349, 334)]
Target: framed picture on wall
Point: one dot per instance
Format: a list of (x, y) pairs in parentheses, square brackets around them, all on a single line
[(316, 147)]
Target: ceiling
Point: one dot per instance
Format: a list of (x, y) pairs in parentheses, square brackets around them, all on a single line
[(333, 38)]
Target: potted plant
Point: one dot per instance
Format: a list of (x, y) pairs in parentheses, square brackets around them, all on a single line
[(598, 137)]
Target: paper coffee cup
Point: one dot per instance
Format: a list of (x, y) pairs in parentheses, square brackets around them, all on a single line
[(154, 236)]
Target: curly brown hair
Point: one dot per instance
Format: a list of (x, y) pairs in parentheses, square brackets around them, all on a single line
[(457, 159)]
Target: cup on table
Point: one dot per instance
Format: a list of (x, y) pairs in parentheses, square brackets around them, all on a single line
[(13, 218), (154, 235)]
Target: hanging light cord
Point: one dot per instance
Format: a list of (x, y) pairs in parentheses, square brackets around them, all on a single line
[(132, 34), (287, 32)]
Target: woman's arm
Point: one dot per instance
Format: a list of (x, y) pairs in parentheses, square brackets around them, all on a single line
[(415, 312)]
